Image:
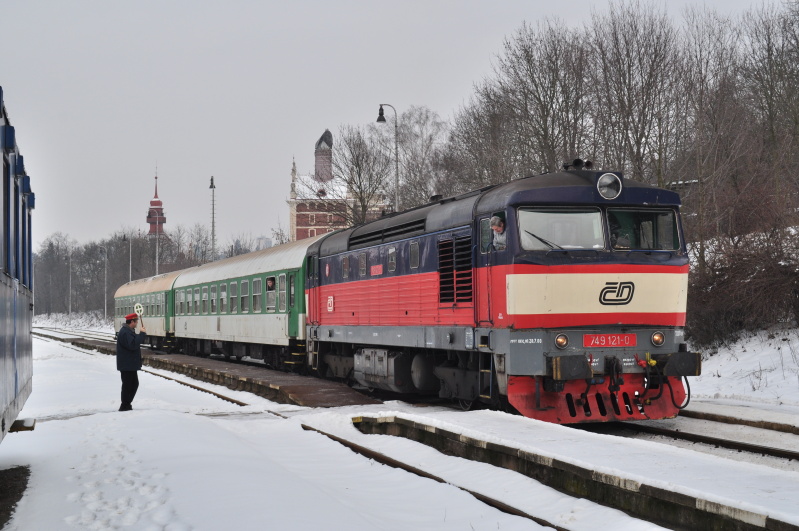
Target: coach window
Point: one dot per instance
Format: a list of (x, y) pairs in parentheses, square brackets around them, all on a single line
[(281, 286), (362, 264), (245, 296), (196, 301), (213, 298), (234, 298), (345, 267), (159, 300), (392, 259), (291, 291), (181, 303), (414, 255), (223, 298), (270, 294), (205, 299), (257, 292)]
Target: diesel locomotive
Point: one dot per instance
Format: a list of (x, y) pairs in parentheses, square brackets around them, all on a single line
[(16, 278), (561, 296)]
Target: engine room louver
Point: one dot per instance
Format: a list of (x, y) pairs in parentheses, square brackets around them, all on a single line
[(397, 232), (455, 270)]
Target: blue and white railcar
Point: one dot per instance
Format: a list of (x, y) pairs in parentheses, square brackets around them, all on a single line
[(16, 278)]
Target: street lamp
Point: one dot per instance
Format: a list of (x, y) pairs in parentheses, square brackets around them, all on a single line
[(105, 284), (382, 119), (130, 256)]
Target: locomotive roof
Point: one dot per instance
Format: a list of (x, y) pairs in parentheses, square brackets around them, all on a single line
[(278, 258), (567, 187), (161, 282)]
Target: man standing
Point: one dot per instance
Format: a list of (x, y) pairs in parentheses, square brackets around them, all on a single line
[(129, 358)]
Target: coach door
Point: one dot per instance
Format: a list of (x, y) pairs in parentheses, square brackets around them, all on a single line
[(292, 306), (485, 257)]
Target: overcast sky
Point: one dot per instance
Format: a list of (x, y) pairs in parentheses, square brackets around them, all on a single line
[(100, 92)]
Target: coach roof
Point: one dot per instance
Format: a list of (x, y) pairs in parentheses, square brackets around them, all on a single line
[(278, 258)]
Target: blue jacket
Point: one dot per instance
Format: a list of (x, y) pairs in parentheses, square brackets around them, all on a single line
[(129, 349)]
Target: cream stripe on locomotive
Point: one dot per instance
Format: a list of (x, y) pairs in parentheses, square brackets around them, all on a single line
[(596, 293)]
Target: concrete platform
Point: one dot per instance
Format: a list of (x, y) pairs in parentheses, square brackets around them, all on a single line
[(281, 387), (622, 490)]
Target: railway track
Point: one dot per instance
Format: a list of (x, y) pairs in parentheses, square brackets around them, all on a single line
[(698, 431)]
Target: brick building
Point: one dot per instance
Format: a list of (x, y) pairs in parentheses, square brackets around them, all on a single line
[(315, 206)]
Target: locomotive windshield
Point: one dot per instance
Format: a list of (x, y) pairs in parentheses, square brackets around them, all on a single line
[(545, 229), (643, 230)]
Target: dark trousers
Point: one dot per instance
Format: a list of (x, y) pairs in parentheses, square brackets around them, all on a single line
[(130, 384)]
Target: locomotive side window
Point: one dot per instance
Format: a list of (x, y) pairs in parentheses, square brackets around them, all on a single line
[(244, 300), (345, 267), (560, 229), (282, 292), (414, 255), (223, 298), (362, 264), (234, 298), (257, 291), (213, 298), (643, 230), (392, 259), (271, 294)]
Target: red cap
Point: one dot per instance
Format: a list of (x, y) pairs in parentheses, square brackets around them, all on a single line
[(131, 316)]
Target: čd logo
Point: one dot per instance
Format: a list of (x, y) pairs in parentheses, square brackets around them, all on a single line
[(616, 293)]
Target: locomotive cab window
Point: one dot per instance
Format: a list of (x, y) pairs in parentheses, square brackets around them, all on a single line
[(643, 230), (345, 267), (271, 294), (560, 229)]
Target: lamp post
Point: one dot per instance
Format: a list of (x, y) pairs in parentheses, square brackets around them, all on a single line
[(105, 284), (382, 119), (69, 307), (130, 256)]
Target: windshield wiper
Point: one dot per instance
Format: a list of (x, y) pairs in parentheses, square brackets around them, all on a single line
[(545, 242)]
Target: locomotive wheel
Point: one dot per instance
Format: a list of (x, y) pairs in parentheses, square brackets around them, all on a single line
[(466, 405)]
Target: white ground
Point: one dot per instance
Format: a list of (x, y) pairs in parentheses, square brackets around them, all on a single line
[(187, 460)]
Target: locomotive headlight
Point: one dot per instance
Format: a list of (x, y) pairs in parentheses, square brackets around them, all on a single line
[(658, 338), (561, 341), (609, 185)]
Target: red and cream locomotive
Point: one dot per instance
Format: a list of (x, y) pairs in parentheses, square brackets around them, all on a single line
[(562, 295)]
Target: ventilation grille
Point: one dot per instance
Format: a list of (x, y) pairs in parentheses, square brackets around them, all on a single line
[(455, 270)]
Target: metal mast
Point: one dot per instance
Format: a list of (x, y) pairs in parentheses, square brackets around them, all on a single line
[(213, 219)]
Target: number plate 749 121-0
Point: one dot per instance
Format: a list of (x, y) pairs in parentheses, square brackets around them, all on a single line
[(609, 340)]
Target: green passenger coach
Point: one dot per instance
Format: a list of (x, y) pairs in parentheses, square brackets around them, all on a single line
[(248, 305), (156, 298)]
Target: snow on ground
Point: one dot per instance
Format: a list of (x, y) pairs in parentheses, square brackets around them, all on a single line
[(187, 460)]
